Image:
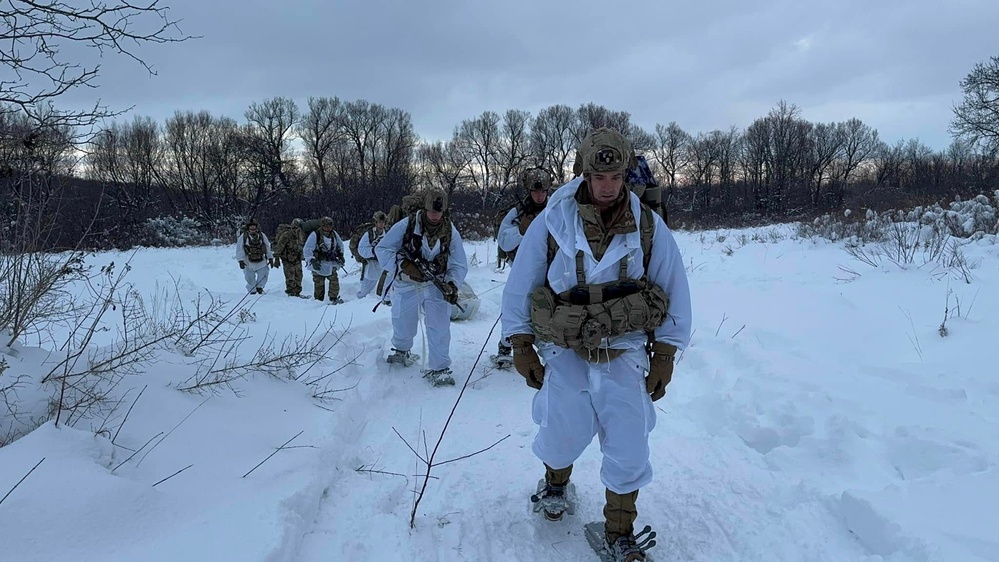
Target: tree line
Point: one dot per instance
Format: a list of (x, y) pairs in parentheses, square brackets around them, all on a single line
[(348, 159)]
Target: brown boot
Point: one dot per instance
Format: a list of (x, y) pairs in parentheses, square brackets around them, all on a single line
[(552, 497), (558, 477), (620, 513)]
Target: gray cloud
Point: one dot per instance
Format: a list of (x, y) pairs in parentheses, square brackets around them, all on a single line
[(712, 65)]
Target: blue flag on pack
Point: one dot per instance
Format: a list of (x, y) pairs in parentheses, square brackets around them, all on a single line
[(641, 174)]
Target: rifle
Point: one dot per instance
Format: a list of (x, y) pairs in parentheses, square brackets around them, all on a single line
[(428, 273)]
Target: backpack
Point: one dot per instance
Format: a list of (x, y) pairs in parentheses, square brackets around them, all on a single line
[(642, 183), (355, 240), (276, 242), (309, 226)]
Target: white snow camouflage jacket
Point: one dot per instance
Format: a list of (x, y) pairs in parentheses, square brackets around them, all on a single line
[(561, 218), (386, 251)]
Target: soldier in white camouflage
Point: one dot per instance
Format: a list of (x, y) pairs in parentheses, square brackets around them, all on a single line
[(323, 251), (370, 268), (599, 291), (425, 261), (537, 183), (253, 252)]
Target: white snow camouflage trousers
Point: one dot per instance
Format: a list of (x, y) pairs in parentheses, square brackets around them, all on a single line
[(579, 400), (370, 272), (256, 275), (407, 297)]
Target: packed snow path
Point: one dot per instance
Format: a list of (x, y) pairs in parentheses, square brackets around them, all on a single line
[(805, 422)]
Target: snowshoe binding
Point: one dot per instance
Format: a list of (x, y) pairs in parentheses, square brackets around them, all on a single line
[(503, 358), (628, 548), (554, 501), (439, 377), (402, 357)]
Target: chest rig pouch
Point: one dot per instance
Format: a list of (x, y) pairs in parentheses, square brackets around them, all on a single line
[(412, 249), (583, 316)]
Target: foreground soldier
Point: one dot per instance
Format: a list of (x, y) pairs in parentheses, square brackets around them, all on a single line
[(592, 301), (370, 268), (537, 182), (253, 252), (288, 251), (418, 249), (324, 252)]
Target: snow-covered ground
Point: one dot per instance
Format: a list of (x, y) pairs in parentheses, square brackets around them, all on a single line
[(818, 414)]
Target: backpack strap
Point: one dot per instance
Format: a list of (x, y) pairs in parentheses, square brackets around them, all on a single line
[(647, 231), (414, 243)]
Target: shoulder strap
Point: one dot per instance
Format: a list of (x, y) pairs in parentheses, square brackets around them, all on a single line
[(647, 230)]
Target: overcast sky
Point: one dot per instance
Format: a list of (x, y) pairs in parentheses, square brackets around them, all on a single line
[(708, 64)]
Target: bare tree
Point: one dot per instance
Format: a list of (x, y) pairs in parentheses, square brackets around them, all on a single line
[(889, 164), (825, 145), (671, 151), (267, 141), (976, 118), (917, 164), (36, 37), (129, 158), (704, 154), (590, 116), (480, 138), (776, 146), (320, 130), (444, 164), (859, 144), (728, 146), (396, 147), (37, 155), (513, 152), (203, 165), (553, 140), (361, 123)]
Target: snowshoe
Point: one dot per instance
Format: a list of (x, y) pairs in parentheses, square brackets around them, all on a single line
[(501, 361), (439, 377), (503, 358), (625, 549), (403, 357), (337, 300), (554, 501)]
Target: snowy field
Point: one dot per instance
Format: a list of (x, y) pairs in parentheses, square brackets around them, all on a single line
[(818, 414)]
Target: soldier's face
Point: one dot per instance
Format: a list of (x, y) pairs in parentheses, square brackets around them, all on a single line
[(380, 225), (539, 196), (434, 216), (252, 229), (327, 229), (605, 187)]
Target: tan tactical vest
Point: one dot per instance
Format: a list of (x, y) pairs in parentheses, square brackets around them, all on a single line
[(412, 243), (253, 246), (583, 317)]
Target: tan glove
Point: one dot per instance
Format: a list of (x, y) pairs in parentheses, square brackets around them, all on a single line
[(451, 296), (526, 360), (660, 369), (410, 269)]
